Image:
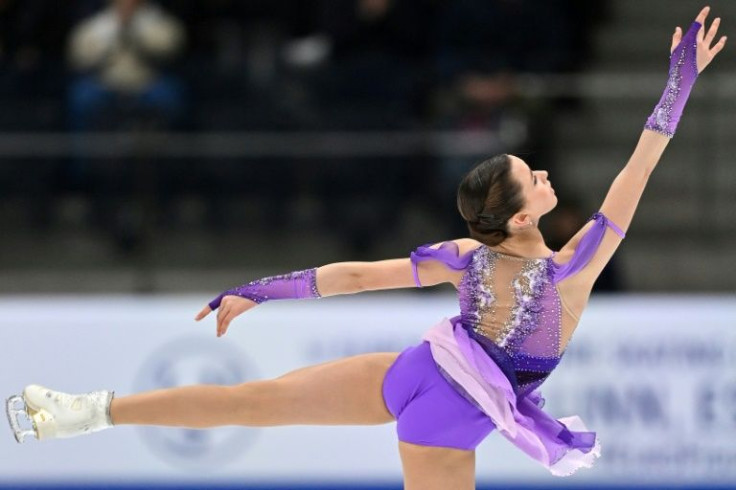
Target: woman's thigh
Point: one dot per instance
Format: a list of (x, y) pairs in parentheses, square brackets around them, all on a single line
[(342, 392)]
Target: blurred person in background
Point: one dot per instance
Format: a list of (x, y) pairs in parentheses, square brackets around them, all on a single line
[(121, 54)]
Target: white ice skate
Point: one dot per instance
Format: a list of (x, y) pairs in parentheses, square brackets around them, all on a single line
[(54, 415)]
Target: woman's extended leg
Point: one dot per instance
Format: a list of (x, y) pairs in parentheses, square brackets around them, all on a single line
[(343, 392)]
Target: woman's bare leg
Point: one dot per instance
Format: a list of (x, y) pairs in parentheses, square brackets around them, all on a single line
[(437, 468), (343, 392)]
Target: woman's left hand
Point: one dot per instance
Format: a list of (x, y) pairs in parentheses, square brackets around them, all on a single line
[(705, 53)]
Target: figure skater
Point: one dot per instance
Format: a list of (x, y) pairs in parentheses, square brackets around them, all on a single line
[(519, 305)]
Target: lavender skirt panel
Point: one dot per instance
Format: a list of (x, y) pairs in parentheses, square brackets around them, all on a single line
[(562, 446)]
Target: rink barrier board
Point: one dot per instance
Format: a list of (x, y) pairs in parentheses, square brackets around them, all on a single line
[(172, 486), (658, 392)]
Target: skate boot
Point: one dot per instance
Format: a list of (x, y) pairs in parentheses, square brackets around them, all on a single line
[(55, 415)]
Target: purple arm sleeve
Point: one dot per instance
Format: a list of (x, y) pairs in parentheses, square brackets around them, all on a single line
[(683, 72), (448, 254), (587, 247), (296, 285)]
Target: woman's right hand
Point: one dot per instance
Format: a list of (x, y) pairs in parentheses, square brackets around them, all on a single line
[(230, 307), (705, 53)]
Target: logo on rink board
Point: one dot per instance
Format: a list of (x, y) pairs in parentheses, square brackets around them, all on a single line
[(190, 361)]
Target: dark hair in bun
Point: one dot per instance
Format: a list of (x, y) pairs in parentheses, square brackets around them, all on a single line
[(487, 197)]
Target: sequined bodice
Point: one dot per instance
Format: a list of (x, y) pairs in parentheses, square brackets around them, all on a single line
[(514, 303), (511, 305)]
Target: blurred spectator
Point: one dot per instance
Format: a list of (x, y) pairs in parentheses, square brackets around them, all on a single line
[(121, 53)]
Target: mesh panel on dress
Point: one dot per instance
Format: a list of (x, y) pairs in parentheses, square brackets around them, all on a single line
[(524, 315)]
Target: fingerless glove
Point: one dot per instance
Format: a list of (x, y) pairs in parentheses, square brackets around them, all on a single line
[(683, 73), (295, 285)]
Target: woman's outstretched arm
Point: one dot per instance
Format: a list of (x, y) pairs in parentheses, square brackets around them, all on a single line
[(690, 55), (355, 277), (331, 280)]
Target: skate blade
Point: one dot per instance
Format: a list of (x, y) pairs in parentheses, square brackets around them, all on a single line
[(15, 406)]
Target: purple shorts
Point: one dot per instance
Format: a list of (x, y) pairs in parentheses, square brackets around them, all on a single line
[(428, 410)]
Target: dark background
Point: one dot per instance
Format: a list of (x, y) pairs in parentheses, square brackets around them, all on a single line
[(288, 134)]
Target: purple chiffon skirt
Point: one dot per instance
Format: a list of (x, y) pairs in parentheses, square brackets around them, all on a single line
[(563, 446)]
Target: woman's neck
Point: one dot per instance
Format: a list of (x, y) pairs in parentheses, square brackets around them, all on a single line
[(528, 243)]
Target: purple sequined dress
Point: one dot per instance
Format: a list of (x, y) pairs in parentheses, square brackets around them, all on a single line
[(512, 330)]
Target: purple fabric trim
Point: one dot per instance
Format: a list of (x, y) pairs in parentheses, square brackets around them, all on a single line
[(682, 76), (415, 273), (448, 253), (295, 285), (586, 248), (609, 223)]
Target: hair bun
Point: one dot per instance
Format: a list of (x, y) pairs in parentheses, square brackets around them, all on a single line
[(489, 187), (489, 220)]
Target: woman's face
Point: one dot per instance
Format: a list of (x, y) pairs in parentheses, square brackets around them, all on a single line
[(539, 196)]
